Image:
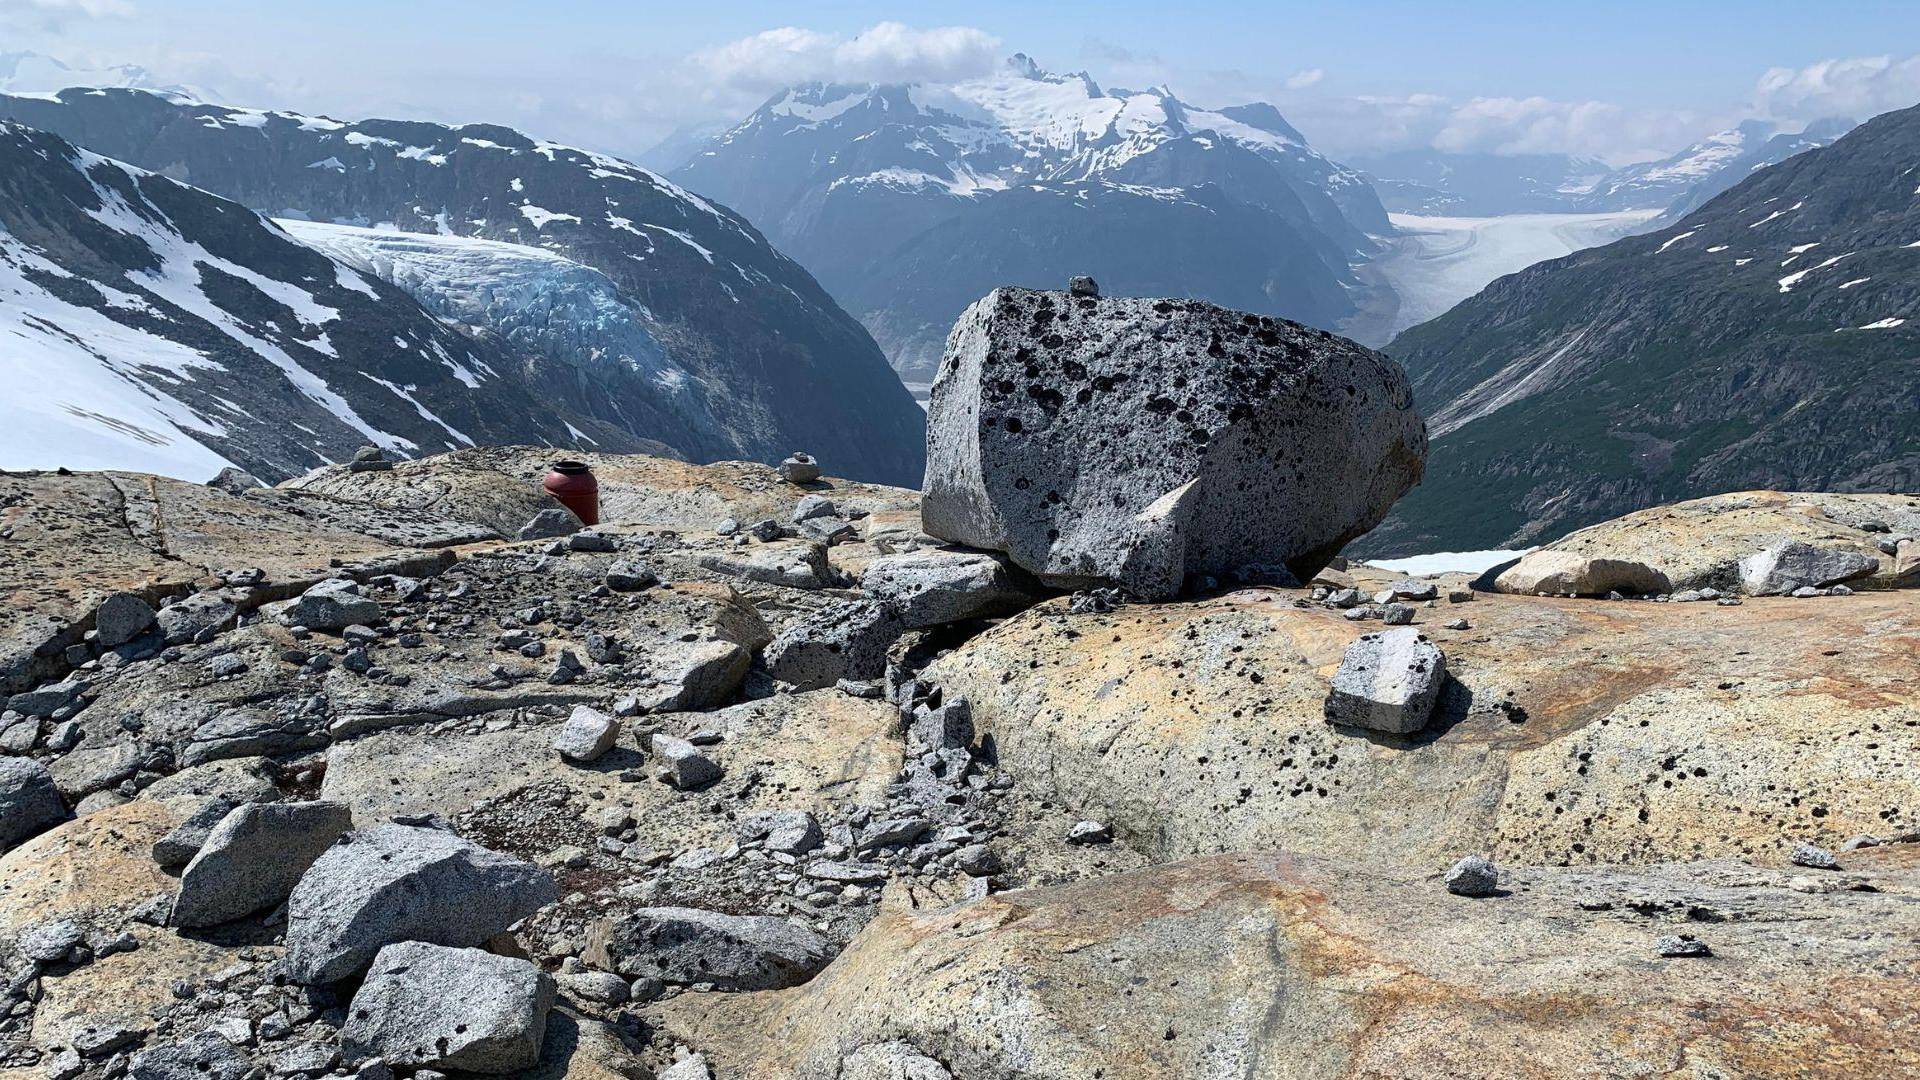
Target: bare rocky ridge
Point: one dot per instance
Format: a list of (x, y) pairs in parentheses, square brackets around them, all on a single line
[(758, 779)]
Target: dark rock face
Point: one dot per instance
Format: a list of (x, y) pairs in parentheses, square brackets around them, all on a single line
[(777, 363), (1139, 441), (248, 346), (910, 204), (686, 945), (1767, 341)]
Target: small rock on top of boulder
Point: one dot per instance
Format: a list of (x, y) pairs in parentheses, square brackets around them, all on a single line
[(1138, 441)]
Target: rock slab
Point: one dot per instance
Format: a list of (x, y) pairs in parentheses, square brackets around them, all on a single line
[(1139, 441), (254, 857), (404, 883), (431, 1006), (683, 946), (30, 804)]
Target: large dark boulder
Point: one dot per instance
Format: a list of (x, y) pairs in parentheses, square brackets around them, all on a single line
[(1139, 441)]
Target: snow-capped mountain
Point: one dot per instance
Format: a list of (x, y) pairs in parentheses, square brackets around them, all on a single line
[(1479, 184), (1686, 180), (754, 359), (37, 73), (149, 325), (910, 201)]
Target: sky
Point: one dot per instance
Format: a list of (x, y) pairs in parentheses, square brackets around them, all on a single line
[(1620, 81)]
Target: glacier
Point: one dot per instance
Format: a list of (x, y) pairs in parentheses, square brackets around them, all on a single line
[(544, 303)]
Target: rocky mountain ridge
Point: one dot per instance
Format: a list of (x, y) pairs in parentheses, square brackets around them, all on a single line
[(767, 354), (945, 872)]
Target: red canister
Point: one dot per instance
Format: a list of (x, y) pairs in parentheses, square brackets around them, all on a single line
[(573, 484)]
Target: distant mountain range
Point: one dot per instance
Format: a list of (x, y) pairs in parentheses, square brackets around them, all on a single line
[(26, 72), (1481, 184), (627, 302), (1769, 339), (910, 202)]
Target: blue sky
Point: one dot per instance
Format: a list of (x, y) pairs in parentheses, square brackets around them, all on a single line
[(1617, 80)]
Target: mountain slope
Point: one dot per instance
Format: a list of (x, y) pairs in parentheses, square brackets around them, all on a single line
[(1688, 179), (147, 323), (1768, 340), (769, 356), (911, 201)]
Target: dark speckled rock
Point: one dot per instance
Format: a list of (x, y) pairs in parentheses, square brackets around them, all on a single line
[(1138, 441)]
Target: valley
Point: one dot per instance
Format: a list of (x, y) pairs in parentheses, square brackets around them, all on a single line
[(1432, 263)]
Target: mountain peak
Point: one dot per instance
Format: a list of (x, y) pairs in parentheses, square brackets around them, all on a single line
[(1025, 66)]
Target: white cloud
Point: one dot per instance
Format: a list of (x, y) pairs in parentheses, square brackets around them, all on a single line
[(27, 16), (1857, 87), (884, 52), (1300, 80), (1356, 126)]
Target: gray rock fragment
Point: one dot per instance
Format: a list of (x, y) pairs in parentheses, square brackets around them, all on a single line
[(1812, 856), (30, 803), (235, 481), (49, 699), (197, 618), (794, 832), (681, 764), (631, 575), (846, 640), (120, 618), (1474, 875), (403, 882), (49, 942), (548, 524), (682, 946), (891, 1061), (603, 987), (204, 1055), (588, 540), (932, 588), (941, 723), (179, 846), (1090, 832), (1681, 945), (799, 468), (587, 734), (1388, 681), (691, 1067), (1793, 564), (452, 1008), (333, 604), (252, 860), (369, 459)]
